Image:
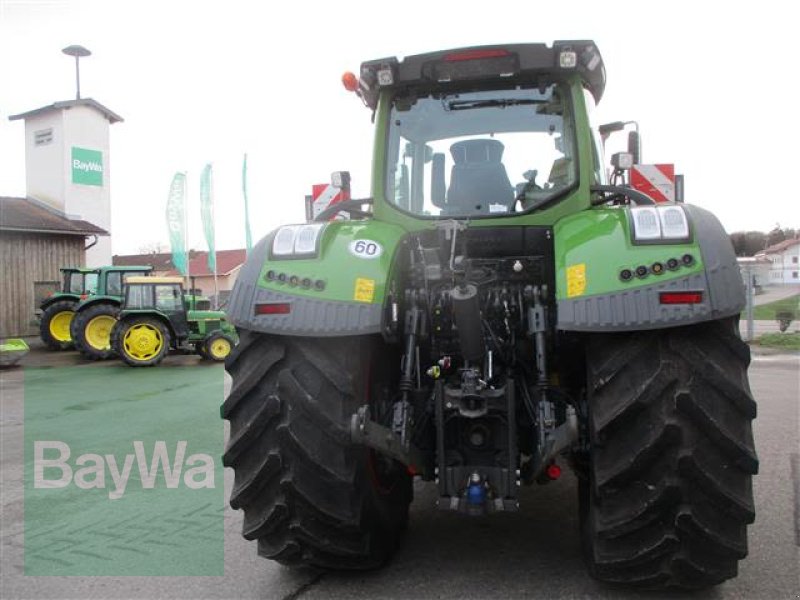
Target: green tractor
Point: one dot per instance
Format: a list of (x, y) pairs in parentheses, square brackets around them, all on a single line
[(496, 312), (157, 316), (58, 309), (90, 329)]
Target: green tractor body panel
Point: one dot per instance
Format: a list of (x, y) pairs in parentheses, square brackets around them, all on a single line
[(341, 290), (607, 282)]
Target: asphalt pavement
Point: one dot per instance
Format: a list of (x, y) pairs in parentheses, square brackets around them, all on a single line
[(534, 553)]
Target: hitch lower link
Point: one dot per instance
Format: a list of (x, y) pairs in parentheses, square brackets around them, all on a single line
[(366, 432)]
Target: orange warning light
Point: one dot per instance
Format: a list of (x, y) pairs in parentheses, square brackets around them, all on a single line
[(350, 82)]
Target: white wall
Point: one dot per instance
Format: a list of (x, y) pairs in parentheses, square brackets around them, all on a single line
[(785, 266), (43, 164), (85, 127)]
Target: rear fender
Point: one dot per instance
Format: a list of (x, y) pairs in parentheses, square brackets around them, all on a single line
[(594, 247), (341, 291), (95, 300), (59, 298)]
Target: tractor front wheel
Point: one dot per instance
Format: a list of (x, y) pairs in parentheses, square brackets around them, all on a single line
[(54, 328), (669, 493), (217, 346), (141, 341), (311, 497), (91, 331)]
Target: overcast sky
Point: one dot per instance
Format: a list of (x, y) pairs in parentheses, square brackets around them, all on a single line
[(713, 86)]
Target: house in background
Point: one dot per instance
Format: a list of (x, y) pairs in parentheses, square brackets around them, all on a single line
[(785, 262), (229, 263)]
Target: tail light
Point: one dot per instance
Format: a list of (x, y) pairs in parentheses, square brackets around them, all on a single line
[(680, 297)]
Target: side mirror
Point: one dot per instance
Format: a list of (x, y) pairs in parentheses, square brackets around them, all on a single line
[(437, 180)]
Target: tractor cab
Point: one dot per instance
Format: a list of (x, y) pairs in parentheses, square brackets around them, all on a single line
[(79, 281), (156, 315)]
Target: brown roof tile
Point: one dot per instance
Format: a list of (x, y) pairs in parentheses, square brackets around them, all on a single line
[(28, 215)]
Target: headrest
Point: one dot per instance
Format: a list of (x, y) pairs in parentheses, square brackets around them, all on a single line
[(477, 151)]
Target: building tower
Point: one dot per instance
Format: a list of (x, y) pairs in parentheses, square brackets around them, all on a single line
[(68, 166)]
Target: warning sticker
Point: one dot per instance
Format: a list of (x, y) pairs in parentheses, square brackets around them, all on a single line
[(364, 290), (576, 280)]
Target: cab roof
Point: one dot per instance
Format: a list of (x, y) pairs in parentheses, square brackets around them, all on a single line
[(509, 63), (153, 280)]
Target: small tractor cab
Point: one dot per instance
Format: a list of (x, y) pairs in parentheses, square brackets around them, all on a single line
[(156, 315), (58, 309)]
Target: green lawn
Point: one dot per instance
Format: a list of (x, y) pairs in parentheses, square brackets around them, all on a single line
[(767, 312), (784, 341)]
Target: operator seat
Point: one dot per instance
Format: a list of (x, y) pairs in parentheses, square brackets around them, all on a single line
[(478, 178)]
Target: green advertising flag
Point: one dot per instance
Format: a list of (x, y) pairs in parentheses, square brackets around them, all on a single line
[(207, 214), (176, 221), (248, 238)]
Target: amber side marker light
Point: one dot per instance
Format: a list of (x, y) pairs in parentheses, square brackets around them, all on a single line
[(680, 297), (273, 308)]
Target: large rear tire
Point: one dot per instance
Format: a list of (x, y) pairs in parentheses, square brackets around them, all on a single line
[(91, 330), (310, 497), (54, 328), (669, 495)]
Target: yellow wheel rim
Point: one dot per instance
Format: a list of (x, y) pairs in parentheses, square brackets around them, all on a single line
[(219, 348), (98, 332), (142, 342), (59, 326)]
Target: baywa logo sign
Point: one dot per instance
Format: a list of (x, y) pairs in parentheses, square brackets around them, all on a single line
[(122, 471), (87, 166), (89, 470)]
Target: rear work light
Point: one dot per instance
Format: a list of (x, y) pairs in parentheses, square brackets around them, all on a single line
[(680, 297), (273, 308)]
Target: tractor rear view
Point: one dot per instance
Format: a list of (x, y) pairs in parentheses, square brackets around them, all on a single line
[(496, 312)]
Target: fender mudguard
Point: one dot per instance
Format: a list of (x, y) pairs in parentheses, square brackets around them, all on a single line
[(339, 291), (594, 247)]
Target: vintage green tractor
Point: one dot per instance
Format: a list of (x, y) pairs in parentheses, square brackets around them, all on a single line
[(494, 313), (157, 316), (96, 315), (58, 309)]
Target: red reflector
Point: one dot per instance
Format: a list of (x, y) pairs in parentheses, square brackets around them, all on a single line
[(412, 470), (680, 297), (475, 55), (274, 308), (553, 472)]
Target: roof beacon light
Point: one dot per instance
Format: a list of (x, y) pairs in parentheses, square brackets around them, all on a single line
[(350, 81), (646, 224), (567, 59)]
